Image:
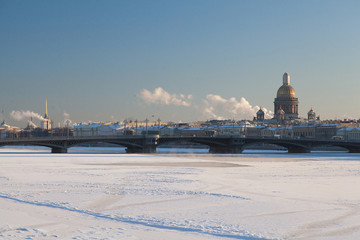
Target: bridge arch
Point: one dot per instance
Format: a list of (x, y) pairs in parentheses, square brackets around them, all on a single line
[(292, 147), (148, 143), (136, 144), (351, 147), (212, 143), (179, 143), (262, 146), (55, 148)]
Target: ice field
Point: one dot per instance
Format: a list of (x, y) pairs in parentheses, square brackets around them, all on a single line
[(251, 196)]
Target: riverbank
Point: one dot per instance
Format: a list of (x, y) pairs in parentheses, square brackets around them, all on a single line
[(253, 196)]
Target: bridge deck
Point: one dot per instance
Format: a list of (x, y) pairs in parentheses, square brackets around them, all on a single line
[(149, 143)]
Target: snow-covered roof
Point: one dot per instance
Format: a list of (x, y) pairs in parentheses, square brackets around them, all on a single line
[(99, 124), (257, 126), (284, 128), (348, 129), (329, 125), (232, 126), (3, 125), (194, 129)]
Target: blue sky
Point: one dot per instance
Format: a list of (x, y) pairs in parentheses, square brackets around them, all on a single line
[(103, 60)]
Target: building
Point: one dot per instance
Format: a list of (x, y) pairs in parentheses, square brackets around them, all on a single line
[(286, 100), (99, 129), (326, 131), (280, 115), (311, 115), (46, 122), (168, 131), (349, 133), (285, 132), (197, 132), (254, 131), (304, 131), (229, 130), (268, 132), (7, 131), (260, 115)]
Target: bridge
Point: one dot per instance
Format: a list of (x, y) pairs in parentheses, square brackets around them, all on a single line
[(133, 144), (149, 143)]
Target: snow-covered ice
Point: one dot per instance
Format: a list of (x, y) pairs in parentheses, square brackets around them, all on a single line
[(249, 196)]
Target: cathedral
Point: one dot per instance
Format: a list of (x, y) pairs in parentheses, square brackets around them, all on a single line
[(286, 104)]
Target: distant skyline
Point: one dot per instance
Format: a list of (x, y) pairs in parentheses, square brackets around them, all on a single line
[(176, 60)]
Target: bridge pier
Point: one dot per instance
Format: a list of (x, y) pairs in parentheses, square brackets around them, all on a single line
[(298, 149), (219, 150), (145, 149), (133, 150), (58, 150), (354, 150), (149, 149), (234, 149)]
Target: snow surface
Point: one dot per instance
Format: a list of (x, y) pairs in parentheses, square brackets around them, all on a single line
[(253, 196)]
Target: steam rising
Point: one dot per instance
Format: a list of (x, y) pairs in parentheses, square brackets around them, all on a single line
[(31, 124), (67, 121), (21, 115)]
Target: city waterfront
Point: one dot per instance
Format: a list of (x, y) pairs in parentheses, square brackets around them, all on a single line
[(215, 144), (196, 120)]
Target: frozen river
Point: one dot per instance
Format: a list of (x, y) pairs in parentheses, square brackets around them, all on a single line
[(183, 195)]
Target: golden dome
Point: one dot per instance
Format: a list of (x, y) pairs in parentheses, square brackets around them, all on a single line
[(286, 91)]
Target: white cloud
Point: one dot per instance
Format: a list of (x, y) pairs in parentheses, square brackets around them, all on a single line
[(67, 121), (160, 96), (214, 106), (21, 115), (218, 107)]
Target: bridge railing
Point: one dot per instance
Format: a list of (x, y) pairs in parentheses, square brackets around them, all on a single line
[(74, 137), (39, 138)]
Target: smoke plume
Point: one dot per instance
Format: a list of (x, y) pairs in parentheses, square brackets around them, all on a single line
[(21, 115), (32, 124), (67, 121)]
